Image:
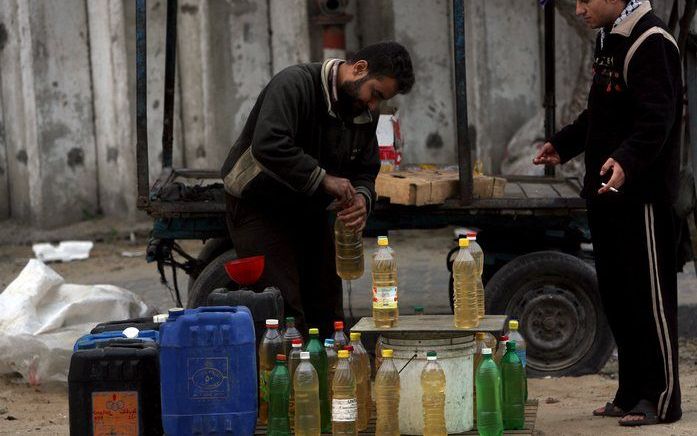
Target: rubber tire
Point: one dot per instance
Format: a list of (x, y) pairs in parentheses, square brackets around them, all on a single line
[(211, 249), (560, 268), (211, 278)]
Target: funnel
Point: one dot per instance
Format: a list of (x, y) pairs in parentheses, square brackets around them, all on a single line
[(245, 271)]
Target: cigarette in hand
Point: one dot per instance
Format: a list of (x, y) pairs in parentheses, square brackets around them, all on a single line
[(611, 188)]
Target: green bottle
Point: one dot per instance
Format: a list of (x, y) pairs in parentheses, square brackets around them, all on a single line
[(279, 397), (488, 388), (513, 379), (318, 358)]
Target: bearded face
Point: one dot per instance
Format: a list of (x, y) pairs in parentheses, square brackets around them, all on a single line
[(349, 104)]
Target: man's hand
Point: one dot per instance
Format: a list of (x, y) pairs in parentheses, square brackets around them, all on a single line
[(547, 156), (616, 180), (339, 188), (355, 216)]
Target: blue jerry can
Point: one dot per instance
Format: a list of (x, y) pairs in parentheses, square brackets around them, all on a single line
[(208, 372), (88, 342)]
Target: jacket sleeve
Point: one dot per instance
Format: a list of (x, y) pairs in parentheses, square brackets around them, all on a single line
[(365, 169), (570, 141), (654, 79), (273, 144)]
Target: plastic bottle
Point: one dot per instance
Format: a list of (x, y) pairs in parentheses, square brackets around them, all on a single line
[(433, 396), (332, 361), (306, 388), (290, 334), (488, 387), (385, 294), (340, 339), (293, 362), (387, 397), (500, 349), (513, 380), (344, 403), (279, 398), (271, 345), (349, 252), (363, 396), (465, 297), (479, 345), (478, 256), (318, 357), (520, 346), (378, 354)]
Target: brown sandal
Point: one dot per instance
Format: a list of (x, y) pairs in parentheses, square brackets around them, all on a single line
[(610, 410)]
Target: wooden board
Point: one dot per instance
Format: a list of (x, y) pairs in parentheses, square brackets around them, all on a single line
[(430, 324)]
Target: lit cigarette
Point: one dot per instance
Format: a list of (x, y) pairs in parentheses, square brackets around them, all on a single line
[(611, 188)]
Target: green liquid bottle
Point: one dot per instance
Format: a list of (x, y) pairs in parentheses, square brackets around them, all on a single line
[(318, 357), (279, 397), (513, 379), (488, 386)]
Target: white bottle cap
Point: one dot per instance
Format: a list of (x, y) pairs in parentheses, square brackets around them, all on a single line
[(486, 350), (304, 355), (160, 318), (271, 322), (131, 332)]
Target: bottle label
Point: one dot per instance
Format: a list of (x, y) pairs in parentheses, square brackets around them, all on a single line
[(208, 377), (384, 297), (521, 356), (264, 377), (114, 413), (344, 410)]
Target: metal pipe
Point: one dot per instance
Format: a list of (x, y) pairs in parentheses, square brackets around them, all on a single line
[(143, 175), (170, 67), (464, 159), (550, 77)]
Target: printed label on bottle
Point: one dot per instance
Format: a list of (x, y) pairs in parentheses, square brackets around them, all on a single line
[(344, 410), (521, 356), (264, 377), (115, 413), (384, 297), (208, 377)]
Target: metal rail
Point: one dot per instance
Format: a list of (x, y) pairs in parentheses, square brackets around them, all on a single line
[(170, 68), (464, 158), (141, 107)]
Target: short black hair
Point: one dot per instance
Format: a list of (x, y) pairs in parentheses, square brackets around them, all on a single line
[(387, 59)]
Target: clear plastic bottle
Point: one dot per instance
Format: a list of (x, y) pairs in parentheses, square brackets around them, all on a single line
[(520, 346), (433, 396), (332, 361), (385, 294), (465, 297), (387, 397), (293, 362), (349, 252), (271, 345), (378, 354), (478, 256), (344, 403), (513, 380), (488, 387), (306, 388), (479, 345), (363, 396), (279, 398), (500, 349), (340, 339), (289, 334), (318, 357)]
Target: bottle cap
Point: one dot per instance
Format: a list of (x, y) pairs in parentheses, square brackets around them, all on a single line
[(383, 241), (329, 342), (513, 324), (175, 312), (271, 323), (419, 310), (480, 336), (338, 325), (503, 338), (349, 348), (486, 351), (281, 357), (131, 332), (343, 354), (297, 343), (290, 320), (160, 318), (314, 331), (464, 242), (472, 236), (431, 355), (304, 355), (387, 353), (355, 336), (510, 345)]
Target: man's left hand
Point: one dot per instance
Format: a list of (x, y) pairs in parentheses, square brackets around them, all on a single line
[(355, 215), (616, 180)]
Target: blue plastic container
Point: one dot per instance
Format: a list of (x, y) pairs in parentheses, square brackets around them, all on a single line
[(91, 341), (208, 372)]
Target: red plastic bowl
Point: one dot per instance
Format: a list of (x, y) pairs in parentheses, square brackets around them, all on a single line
[(245, 271)]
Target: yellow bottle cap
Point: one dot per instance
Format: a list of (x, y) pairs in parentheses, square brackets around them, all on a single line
[(387, 353), (480, 336), (464, 242), (355, 336), (383, 241), (513, 324), (314, 331), (343, 354)]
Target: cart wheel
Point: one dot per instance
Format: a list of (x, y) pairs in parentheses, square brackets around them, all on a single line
[(211, 278), (211, 249), (555, 298)]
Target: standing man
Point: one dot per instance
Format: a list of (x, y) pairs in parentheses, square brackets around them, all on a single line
[(630, 133), (310, 142)]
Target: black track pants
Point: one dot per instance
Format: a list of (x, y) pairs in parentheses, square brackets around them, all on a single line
[(634, 247)]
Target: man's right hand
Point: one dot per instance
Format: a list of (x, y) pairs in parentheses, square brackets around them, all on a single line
[(547, 156), (339, 188)]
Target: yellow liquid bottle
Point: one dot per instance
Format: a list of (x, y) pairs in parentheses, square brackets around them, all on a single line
[(478, 256), (349, 252), (293, 362), (385, 295), (332, 361), (306, 389), (433, 396), (387, 397), (464, 270), (344, 404), (271, 345), (362, 373)]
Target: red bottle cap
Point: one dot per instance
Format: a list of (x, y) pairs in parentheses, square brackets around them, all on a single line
[(503, 338), (296, 342), (338, 325), (281, 357), (349, 348)]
